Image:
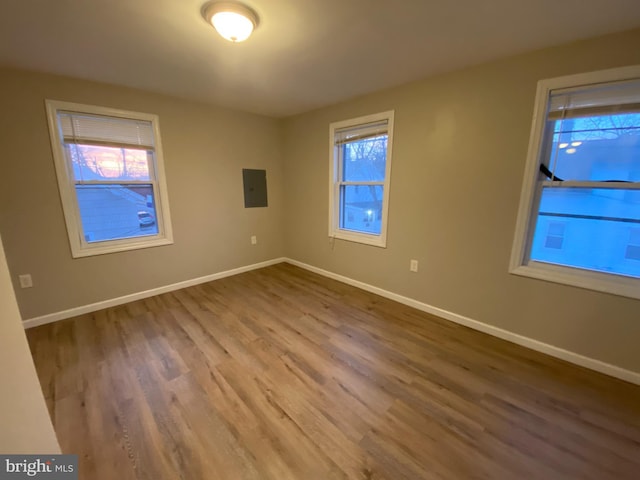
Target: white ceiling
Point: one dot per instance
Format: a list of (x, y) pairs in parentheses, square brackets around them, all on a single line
[(305, 53)]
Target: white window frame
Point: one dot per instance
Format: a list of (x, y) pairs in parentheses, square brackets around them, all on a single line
[(79, 246), (519, 263), (335, 182)]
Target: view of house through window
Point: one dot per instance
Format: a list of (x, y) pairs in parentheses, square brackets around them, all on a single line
[(109, 174), (364, 162), (597, 223), (360, 169), (113, 209), (586, 204)]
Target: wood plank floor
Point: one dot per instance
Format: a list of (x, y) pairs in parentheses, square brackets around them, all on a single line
[(282, 374)]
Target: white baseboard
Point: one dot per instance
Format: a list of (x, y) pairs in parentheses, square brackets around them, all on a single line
[(74, 312), (572, 357)]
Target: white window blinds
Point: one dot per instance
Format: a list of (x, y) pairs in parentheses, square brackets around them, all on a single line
[(618, 97), (361, 132), (103, 130)]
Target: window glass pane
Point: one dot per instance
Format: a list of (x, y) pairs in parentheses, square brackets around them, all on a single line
[(361, 208), (95, 162), (597, 148), (365, 160), (588, 228), (112, 212)]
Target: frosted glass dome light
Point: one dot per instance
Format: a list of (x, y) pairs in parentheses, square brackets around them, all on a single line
[(233, 21)]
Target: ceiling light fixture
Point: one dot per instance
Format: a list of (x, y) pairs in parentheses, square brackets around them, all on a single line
[(233, 21)]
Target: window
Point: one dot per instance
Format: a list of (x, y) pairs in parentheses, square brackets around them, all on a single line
[(359, 178), (555, 235), (111, 178), (632, 251), (579, 214)]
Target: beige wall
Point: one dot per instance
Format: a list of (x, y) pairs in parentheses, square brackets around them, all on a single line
[(205, 149), (458, 160), (25, 426)]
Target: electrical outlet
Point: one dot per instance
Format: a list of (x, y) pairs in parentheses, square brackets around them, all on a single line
[(413, 265), (254, 240), (25, 281)]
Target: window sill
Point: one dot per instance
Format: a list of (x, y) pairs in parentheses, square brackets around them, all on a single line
[(601, 282), (113, 247), (373, 240)]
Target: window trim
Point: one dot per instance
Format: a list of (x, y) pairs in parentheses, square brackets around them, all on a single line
[(79, 246), (519, 264), (335, 166)]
